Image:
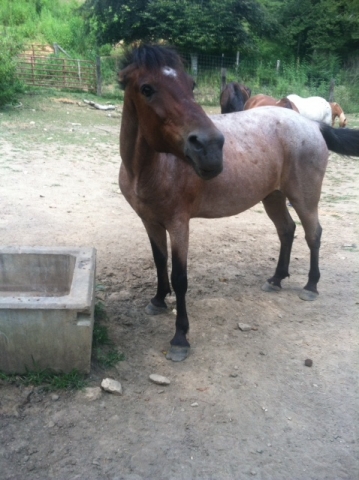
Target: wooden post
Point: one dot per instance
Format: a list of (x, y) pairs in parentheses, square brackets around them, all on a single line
[(331, 90), (223, 78), (33, 69), (98, 76), (194, 65), (79, 71)]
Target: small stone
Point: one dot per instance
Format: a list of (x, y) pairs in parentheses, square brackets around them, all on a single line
[(124, 295), (55, 397), (92, 393), (244, 327), (111, 386), (308, 362), (159, 379), (194, 404), (233, 375)]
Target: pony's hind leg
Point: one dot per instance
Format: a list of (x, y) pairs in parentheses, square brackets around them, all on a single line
[(277, 211), (158, 240), (313, 233)]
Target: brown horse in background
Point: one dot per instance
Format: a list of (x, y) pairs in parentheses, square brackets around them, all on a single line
[(262, 100), (233, 97), (337, 111), (177, 166)]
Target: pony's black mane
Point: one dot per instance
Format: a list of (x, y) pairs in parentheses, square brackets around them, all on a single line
[(152, 57)]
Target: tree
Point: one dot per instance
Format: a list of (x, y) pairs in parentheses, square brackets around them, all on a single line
[(318, 27), (210, 25)]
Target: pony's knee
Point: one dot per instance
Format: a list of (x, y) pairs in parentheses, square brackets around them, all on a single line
[(313, 240)]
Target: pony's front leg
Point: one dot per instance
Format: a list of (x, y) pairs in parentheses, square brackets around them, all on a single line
[(158, 240), (179, 236)]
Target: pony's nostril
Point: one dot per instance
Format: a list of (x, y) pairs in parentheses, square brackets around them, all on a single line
[(195, 142)]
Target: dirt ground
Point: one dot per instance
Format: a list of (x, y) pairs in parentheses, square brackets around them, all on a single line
[(243, 405)]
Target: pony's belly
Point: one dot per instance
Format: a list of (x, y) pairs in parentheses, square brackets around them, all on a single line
[(230, 199)]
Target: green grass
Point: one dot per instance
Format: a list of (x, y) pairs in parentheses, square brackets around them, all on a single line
[(47, 379), (103, 350), (108, 358)]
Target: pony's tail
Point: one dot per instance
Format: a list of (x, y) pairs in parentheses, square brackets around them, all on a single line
[(344, 141)]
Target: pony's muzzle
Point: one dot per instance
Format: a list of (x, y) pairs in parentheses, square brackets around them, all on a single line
[(205, 153)]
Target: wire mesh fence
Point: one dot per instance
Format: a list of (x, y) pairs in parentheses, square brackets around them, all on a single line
[(39, 66), (273, 77)]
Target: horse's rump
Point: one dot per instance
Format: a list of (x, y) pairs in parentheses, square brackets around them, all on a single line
[(261, 100)]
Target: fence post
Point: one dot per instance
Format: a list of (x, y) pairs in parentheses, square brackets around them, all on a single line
[(194, 65), (33, 69), (331, 90), (98, 76), (278, 66), (223, 78)]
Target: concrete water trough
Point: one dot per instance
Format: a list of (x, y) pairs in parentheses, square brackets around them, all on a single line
[(47, 299)]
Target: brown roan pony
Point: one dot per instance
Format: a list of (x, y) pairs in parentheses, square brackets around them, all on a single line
[(262, 100), (337, 111), (178, 163), (233, 97)]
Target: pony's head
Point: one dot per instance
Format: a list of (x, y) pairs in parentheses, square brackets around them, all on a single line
[(160, 110), (233, 97), (337, 111)]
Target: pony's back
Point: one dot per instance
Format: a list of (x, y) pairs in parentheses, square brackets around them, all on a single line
[(314, 108)]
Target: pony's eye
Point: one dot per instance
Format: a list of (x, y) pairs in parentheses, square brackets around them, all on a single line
[(147, 91)]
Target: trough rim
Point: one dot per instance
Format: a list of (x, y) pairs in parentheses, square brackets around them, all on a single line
[(82, 286)]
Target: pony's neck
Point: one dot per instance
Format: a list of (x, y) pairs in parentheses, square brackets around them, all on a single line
[(134, 150)]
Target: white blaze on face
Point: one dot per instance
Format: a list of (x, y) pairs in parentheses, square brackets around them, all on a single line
[(169, 72)]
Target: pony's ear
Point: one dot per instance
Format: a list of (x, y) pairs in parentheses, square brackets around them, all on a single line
[(248, 90)]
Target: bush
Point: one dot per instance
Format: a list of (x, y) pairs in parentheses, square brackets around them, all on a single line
[(10, 85)]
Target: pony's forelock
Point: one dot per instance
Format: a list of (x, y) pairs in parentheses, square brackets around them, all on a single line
[(151, 57)]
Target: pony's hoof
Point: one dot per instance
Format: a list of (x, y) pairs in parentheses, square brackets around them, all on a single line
[(268, 287), (153, 310), (308, 295), (177, 354)]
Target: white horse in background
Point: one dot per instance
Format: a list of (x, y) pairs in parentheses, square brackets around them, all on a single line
[(314, 108)]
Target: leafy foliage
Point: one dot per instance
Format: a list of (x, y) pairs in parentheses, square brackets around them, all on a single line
[(46, 21), (10, 86), (211, 25)]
